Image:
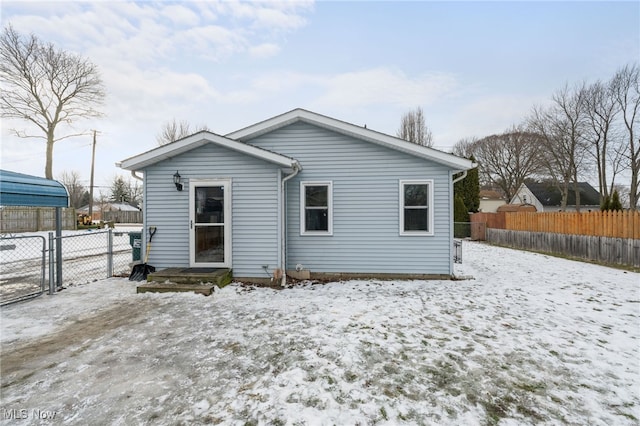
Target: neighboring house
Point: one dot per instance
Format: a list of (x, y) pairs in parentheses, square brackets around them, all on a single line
[(547, 198), (99, 210), (490, 201), (300, 191)]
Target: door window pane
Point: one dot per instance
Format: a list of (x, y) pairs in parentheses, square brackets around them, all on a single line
[(209, 244), (209, 204)]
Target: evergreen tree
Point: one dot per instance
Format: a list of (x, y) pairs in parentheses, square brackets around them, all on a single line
[(460, 212), (606, 201), (119, 190), (615, 205), (469, 189)]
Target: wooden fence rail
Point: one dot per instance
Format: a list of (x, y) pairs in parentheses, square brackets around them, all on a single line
[(615, 224)]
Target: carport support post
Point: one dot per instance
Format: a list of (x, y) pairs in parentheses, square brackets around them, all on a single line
[(52, 285), (59, 246)]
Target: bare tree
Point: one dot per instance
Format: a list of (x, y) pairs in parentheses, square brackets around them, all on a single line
[(173, 130), (626, 92), (561, 126), (508, 159), (600, 110), (413, 128), (77, 191), (46, 87), (465, 147)]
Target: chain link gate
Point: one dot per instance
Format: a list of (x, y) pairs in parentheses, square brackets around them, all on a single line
[(23, 265)]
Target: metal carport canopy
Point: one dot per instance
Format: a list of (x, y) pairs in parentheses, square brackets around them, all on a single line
[(17, 189)]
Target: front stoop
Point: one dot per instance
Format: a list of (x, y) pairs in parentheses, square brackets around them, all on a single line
[(198, 280)]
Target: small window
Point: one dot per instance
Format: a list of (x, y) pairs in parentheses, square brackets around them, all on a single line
[(316, 208), (416, 213)]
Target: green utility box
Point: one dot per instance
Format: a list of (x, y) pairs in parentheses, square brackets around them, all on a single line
[(135, 239)]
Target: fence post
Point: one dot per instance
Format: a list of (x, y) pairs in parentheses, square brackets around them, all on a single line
[(110, 253), (52, 286)]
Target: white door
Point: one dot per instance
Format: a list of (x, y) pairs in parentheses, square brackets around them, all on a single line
[(210, 223)]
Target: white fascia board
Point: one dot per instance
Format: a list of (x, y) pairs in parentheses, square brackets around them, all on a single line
[(343, 127), (196, 140)]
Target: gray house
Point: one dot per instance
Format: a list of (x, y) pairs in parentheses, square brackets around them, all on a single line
[(300, 192)]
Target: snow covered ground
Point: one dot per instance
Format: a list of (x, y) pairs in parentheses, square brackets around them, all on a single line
[(531, 340)]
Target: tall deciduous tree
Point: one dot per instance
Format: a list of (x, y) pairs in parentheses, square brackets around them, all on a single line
[(601, 110), (507, 159), (413, 128), (78, 194), (562, 127), (173, 130), (626, 91), (47, 87)]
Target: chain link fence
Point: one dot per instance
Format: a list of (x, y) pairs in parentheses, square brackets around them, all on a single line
[(94, 256), (30, 264), (23, 267)]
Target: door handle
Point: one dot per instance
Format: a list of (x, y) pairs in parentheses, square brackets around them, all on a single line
[(191, 225)]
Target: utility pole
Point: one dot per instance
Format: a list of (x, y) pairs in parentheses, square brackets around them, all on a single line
[(93, 161)]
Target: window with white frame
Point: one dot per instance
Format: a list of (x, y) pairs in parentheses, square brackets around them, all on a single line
[(316, 216), (416, 212)]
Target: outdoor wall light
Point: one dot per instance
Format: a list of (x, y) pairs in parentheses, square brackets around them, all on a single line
[(176, 180)]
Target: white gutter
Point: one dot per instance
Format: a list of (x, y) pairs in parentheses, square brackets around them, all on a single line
[(283, 232), (135, 176), (459, 178)]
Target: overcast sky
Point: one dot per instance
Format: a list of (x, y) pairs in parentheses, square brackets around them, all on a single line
[(475, 68)]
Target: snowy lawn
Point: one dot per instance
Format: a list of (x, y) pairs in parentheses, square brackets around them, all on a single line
[(532, 339)]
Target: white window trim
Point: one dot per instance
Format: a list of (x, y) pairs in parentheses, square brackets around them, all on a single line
[(429, 183), (303, 224)]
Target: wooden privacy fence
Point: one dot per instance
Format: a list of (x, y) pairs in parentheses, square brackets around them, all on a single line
[(119, 216), (620, 251), (34, 219), (610, 237), (615, 224)]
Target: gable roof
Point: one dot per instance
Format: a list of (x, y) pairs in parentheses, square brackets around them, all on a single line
[(123, 207), (488, 194), (18, 189), (549, 195), (199, 139), (299, 114)]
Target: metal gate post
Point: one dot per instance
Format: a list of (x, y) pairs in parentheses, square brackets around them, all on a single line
[(59, 246), (52, 285), (110, 253)]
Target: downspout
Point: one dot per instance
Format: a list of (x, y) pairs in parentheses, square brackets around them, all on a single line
[(283, 240), (459, 178), (135, 176)]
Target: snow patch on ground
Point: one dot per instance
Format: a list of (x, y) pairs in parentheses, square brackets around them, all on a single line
[(532, 339)]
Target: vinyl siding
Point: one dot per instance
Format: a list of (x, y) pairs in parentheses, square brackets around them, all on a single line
[(254, 193), (366, 236)]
